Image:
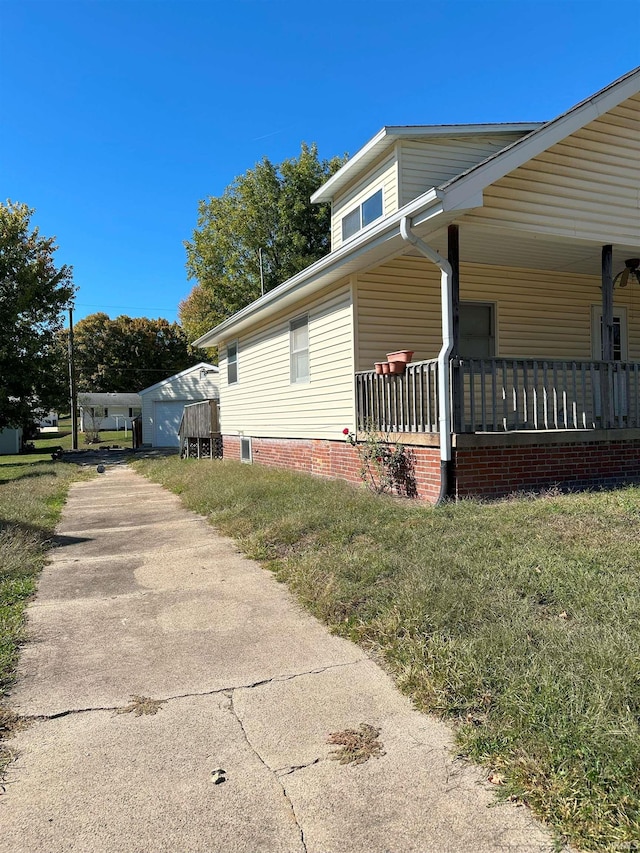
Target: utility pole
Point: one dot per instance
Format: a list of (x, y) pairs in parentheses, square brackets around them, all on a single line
[(72, 386)]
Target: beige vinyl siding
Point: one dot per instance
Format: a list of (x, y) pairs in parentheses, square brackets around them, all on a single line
[(539, 313), (383, 176), (428, 164), (264, 402), (585, 187)]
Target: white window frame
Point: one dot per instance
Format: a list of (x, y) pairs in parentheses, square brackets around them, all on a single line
[(235, 362), (359, 208), (294, 325)]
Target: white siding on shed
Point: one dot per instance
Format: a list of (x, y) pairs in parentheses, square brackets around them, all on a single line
[(190, 386)]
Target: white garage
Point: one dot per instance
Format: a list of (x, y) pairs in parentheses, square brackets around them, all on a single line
[(163, 403)]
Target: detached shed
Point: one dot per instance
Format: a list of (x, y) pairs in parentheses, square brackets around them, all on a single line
[(10, 440), (163, 403)]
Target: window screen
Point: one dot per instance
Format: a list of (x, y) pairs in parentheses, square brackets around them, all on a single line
[(477, 335)]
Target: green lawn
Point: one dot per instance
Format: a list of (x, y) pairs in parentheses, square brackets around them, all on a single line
[(518, 621), (32, 493), (48, 442)]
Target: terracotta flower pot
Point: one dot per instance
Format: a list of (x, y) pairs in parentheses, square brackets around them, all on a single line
[(403, 355), (385, 366), (378, 366), (397, 367)]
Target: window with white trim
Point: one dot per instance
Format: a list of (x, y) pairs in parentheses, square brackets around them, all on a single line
[(232, 363), (299, 349), (477, 330), (363, 215)]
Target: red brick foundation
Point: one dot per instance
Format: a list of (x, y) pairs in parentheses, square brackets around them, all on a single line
[(495, 471), (334, 459), (485, 466)]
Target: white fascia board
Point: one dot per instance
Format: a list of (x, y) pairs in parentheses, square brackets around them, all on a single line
[(199, 366), (325, 192), (426, 206), (460, 191), (385, 138)]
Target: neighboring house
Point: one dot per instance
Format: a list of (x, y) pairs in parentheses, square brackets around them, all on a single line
[(163, 403), (493, 252), (10, 440), (109, 411), (49, 420)]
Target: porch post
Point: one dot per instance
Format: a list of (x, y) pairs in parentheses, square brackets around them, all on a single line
[(453, 254), (607, 331)]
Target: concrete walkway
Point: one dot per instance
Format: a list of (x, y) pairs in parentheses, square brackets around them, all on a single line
[(143, 598)]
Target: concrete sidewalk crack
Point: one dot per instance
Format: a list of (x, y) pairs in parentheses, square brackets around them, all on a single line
[(273, 772), (227, 689), (287, 771)]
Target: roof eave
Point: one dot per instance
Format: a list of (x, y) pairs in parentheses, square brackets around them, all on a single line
[(426, 206), (390, 134)]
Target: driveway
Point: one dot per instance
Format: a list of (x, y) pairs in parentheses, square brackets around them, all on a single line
[(180, 700)]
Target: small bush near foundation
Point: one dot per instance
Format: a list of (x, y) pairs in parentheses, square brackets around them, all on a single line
[(386, 466)]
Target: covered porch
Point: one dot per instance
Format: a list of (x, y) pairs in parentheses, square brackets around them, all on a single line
[(500, 395)]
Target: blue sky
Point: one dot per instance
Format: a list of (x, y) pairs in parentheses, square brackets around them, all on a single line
[(117, 117)]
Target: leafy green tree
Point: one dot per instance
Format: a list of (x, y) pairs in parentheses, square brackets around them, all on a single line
[(265, 211), (33, 296), (128, 353)]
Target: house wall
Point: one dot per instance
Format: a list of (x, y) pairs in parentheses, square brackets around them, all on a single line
[(585, 187), (539, 313), (429, 163), (110, 422), (336, 459), (384, 174), (190, 388), (264, 402), (493, 467)]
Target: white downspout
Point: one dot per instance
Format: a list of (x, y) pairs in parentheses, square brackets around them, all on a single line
[(444, 375)]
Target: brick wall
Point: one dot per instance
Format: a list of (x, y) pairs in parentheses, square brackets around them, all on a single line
[(334, 459), (498, 471)]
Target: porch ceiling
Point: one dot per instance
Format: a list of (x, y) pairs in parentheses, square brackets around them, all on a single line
[(510, 248)]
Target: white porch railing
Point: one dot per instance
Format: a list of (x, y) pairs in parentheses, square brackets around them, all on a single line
[(503, 395), (399, 403)]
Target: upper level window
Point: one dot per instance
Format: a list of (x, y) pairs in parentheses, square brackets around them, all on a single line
[(232, 363), (299, 349), (477, 330), (363, 215)]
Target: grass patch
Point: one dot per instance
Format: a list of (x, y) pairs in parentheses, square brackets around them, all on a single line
[(519, 621), (31, 499)]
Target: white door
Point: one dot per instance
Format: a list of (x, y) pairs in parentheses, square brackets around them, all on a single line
[(166, 419)]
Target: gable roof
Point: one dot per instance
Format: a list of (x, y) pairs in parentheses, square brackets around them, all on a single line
[(433, 208), (201, 365), (389, 135)]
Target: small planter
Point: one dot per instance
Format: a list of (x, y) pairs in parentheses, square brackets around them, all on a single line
[(397, 367), (403, 355), (379, 365), (385, 366)]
